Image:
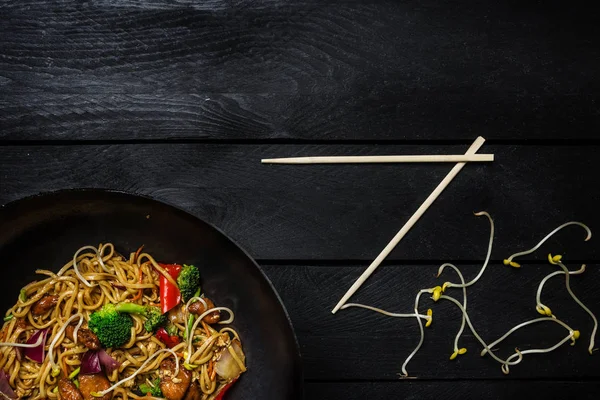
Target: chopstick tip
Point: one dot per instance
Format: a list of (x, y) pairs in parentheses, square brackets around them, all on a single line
[(336, 308)]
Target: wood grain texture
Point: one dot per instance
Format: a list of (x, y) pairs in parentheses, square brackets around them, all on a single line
[(337, 116), (179, 100), (416, 390), (360, 344), (320, 212), (305, 70)]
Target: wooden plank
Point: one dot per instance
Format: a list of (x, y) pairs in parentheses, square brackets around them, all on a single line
[(303, 70), (421, 47), (360, 344), (416, 390), (347, 212), (336, 116)]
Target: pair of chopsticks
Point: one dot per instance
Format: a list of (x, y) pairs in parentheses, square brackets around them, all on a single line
[(461, 161)]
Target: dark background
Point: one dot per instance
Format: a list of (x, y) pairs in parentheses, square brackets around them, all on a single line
[(179, 100)]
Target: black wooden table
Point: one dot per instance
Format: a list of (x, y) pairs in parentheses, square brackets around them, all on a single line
[(179, 100)]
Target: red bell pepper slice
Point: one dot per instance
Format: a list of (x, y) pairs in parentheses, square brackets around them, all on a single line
[(170, 340), (225, 388), (169, 293)]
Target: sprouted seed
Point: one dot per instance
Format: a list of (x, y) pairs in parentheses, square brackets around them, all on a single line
[(75, 267), (414, 352), (55, 368), (509, 260), (527, 323), (573, 335), (437, 293), (541, 307), (478, 337), (556, 260), (487, 257), (457, 350)]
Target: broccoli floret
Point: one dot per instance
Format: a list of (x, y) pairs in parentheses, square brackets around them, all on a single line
[(188, 281), (154, 318), (112, 327), (153, 390)]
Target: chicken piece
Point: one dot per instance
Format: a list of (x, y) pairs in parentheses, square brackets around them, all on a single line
[(45, 304), (94, 383), (226, 366), (173, 388), (176, 315), (84, 337), (194, 392), (68, 391), (197, 308)]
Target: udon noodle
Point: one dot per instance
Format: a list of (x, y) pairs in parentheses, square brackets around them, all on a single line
[(208, 360)]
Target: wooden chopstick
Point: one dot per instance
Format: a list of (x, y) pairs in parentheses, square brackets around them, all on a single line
[(409, 224), (381, 159)]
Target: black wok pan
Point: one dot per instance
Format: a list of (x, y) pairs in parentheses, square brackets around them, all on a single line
[(44, 231)]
